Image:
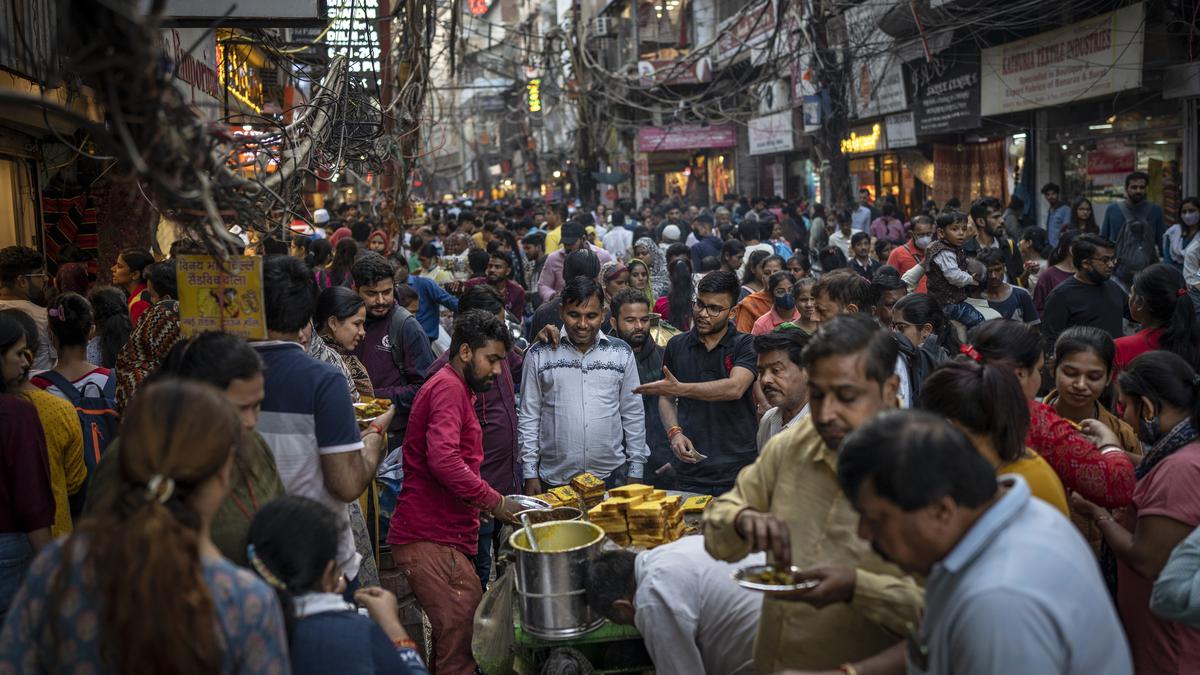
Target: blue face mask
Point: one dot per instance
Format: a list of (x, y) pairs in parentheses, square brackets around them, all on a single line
[(786, 302)]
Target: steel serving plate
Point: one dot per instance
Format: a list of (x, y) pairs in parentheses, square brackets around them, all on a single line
[(529, 503), (744, 578)]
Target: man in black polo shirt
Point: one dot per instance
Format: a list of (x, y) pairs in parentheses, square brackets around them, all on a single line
[(705, 397)]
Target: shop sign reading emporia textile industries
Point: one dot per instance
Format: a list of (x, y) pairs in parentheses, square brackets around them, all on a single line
[(1097, 57), (221, 295)]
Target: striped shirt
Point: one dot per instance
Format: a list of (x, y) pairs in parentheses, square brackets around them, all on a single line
[(579, 413)]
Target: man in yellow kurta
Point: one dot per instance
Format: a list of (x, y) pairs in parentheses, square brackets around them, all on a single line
[(788, 503)]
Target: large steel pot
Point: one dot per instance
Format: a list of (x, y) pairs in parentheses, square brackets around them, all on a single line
[(552, 582)]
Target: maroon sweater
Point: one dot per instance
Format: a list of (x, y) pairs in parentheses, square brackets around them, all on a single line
[(443, 491), (26, 501)]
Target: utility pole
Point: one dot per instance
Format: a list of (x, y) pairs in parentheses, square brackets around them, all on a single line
[(832, 73), (585, 159)]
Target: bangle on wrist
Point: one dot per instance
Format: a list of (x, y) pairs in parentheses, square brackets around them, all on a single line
[(407, 643), (848, 669), (1111, 447), (1100, 519), (674, 431), (375, 429)]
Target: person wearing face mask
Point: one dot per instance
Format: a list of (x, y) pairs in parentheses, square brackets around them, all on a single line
[(1189, 214), (781, 288), (909, 255), (1134, 207), (1090, 298), (1160, 396), (1179, 237)]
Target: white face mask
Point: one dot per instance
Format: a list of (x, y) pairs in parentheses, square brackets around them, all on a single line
[(923, 242), (1191, 218)]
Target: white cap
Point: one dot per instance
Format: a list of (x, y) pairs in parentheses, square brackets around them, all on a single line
[(671, 233), (320, 216)]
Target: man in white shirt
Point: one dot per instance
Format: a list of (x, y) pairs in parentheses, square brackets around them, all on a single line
[(692, 617), (862, 215), (783, 379), (842, 235)]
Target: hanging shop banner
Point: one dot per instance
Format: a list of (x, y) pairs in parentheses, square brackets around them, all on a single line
[(1097, 57), (229, 300), (812, 113), (686, 137), (948, 103), (878, 85), (772, 133), (900, 131)]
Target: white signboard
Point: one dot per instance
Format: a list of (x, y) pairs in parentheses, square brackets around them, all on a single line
[(353, 33), (1097, 57), (196, 74), (239, 10), (771, 133), (878, 85), (901, 133)]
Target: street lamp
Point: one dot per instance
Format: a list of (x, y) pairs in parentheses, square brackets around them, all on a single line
[(557, 174)]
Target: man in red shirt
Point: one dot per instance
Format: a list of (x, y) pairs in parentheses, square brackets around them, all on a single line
[(905, 257), (435, 527)]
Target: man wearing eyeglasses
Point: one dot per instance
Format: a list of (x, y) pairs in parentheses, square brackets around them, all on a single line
[(1091, 297), (705, 398), (23, 282)]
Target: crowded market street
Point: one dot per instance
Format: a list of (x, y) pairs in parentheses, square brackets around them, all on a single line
[(687, 337)]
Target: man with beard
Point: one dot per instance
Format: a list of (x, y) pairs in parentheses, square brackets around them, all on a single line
[(499, 276), (705, 396), (497, 412), (631, 322), (23, 282), (434, 530), (1134, 207), (988, 218), (788, 504), (395, 350), (782, 379), (578, 411)]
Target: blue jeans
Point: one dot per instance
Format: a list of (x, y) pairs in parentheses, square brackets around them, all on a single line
[(488, 530), (963, 313), (15, 557)]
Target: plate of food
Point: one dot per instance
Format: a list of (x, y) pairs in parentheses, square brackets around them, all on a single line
[(369, 409), (529, 503), (772, 579)]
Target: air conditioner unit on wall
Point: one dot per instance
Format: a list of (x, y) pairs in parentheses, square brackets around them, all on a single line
[(604, 26)]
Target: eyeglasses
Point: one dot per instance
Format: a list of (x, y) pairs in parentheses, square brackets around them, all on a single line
[(710, 310)]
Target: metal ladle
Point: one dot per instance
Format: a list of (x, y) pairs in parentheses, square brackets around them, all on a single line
[(529, 532)]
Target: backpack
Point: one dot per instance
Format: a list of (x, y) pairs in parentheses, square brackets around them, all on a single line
[(97, 409), (1136, 248), (399, 316)]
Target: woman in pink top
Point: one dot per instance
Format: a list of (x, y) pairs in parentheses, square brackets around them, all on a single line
[(888, 226), (781, 287), (1160, 395), (1159, 301)]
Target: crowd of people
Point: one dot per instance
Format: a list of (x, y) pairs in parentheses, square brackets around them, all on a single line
[(977, 437)]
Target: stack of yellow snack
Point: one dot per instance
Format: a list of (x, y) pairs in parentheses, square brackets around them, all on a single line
[(610, 517), (565, 496), (633, 490), (695, 504), (590, 489), (657, 522)]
